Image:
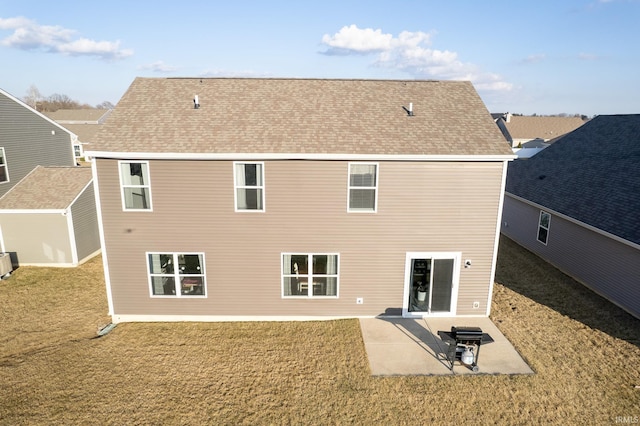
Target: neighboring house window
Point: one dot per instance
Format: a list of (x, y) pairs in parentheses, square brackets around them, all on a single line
[(310, 275), (363, 187), (543, 227), (249, 186), (136, 191), (177, 274), (77, 150), (4, 173)]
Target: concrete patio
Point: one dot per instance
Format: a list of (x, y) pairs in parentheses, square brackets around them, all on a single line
[(409, 347)]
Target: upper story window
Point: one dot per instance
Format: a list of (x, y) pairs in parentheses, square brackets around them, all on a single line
[(544, 223), (4, 173), (78, 152), (363, 187), (176, 274), (134, 181), (249, 186), (310, 275)]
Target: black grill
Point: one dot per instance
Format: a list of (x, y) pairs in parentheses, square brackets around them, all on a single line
[(463, 345)]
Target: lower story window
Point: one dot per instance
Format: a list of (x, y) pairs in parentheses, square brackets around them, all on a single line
[(177, 274), (310, 275), (544, 223)]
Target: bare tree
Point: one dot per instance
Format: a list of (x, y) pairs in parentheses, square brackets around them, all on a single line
[(105, 105), (32, 97), (57, 101)]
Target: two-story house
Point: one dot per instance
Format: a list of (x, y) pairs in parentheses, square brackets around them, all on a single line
[(234, 199)]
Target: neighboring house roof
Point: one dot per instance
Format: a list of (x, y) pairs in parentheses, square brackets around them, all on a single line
[(47, 188), (546, 128), (79, 116), (591, 174), (300, 117), (83, 122), (85, 132)]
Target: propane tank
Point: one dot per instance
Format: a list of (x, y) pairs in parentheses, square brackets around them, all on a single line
[(467, 356)]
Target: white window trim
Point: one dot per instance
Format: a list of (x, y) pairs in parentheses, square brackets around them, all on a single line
[(6, 167), (547, 228), (310, 276), (147, 186), (374, 188), (236, 187), (176, 275)]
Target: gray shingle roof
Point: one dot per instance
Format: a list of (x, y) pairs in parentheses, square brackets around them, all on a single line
[(47, 188), (157, 115), (591, 174)]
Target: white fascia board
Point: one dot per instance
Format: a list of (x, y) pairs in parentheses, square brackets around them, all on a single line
[(33, 211), (575, 221), (292, 156)]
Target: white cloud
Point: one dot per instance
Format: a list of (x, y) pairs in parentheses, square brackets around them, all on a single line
[(588, 56), (159, 67), (29, 35), (534, 59), (410, 52), (354, 39)]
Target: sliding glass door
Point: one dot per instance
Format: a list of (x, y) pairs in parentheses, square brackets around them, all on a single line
[(431, 281)]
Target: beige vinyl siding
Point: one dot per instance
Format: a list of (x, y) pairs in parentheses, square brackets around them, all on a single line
[(47, 242), (85, 223), (608, 267), (422, 207)]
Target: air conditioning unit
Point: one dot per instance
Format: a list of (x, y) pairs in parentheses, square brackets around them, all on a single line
[(5, 264)]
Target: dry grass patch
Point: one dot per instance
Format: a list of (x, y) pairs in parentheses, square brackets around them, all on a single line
[(584, 351)]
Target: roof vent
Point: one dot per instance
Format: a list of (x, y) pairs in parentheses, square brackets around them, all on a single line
[(409, 110), (196, 102)]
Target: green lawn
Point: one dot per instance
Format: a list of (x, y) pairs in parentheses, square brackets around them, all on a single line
[(585, 352)]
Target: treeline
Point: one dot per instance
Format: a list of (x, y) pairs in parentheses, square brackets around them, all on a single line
[(57, 101)]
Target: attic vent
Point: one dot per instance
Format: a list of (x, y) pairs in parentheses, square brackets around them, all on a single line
[(196, 102), (409, 110)]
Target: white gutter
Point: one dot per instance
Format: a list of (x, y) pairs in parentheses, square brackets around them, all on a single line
[(34, 211), (292, 156)]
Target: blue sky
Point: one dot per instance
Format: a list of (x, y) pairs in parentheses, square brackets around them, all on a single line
[(542, 56)]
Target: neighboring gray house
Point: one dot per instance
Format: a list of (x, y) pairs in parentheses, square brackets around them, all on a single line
[(577, 205), (82, 122), (29, 139), (234, 199), (49, 218), (32, 226)]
